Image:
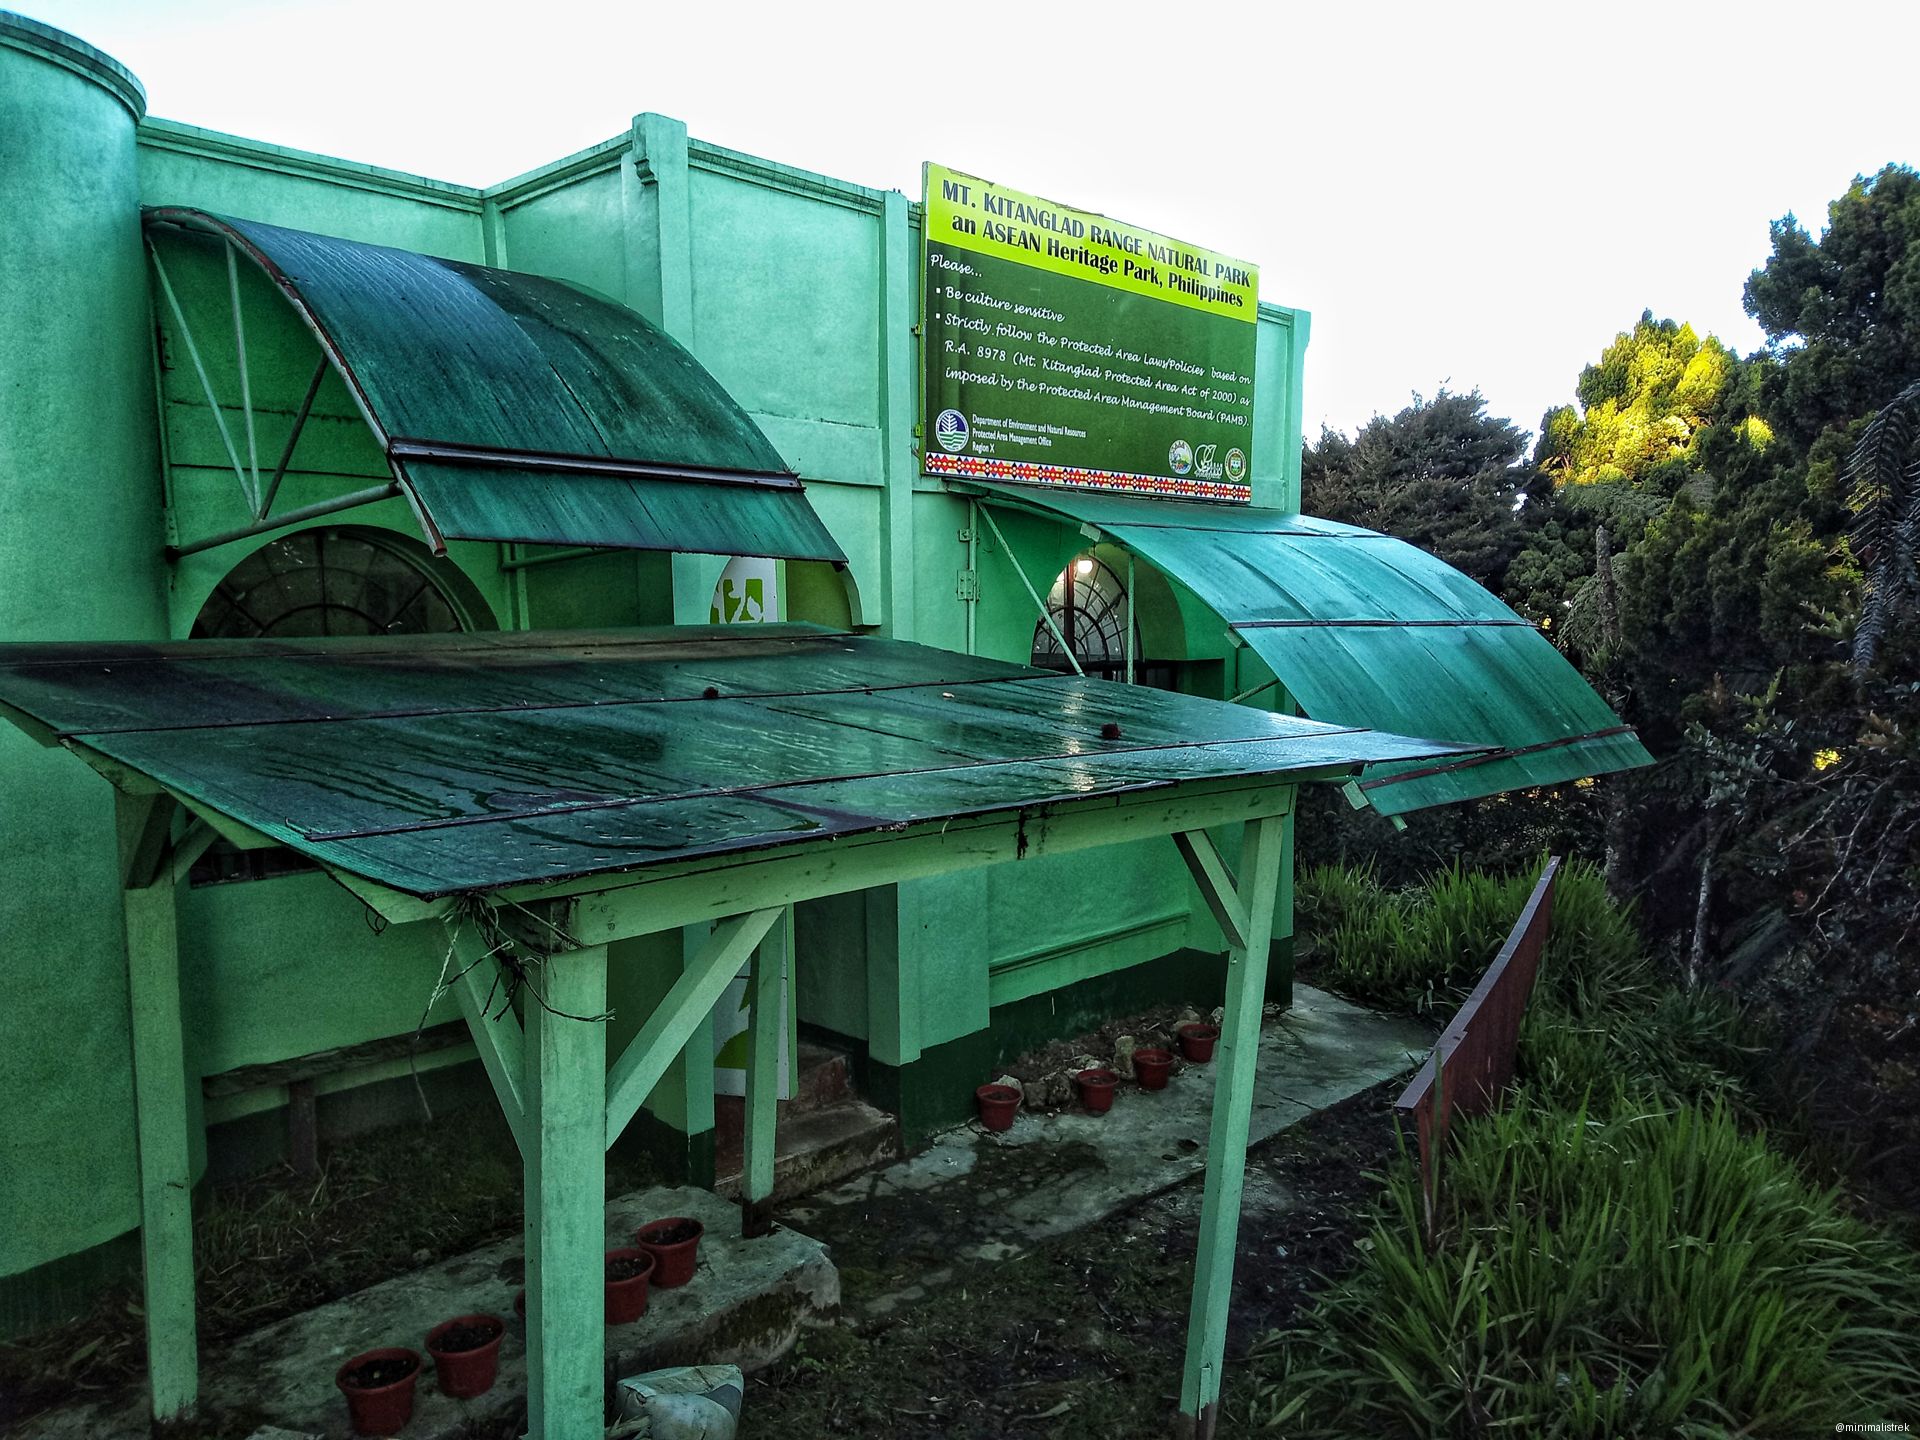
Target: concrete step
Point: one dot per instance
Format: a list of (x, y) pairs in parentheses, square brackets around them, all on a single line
[(825, 1078), (816, 1148)]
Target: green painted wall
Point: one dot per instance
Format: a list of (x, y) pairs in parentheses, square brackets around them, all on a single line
[(79, 521), (801, 292)]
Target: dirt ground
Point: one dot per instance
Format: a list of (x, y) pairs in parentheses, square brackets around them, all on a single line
[(1080, 1338), (1083, 1338)]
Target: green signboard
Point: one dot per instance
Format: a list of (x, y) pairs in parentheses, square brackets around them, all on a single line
[(1064, 348)]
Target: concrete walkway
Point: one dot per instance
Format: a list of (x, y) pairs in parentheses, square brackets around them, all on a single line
[(980, 1195)]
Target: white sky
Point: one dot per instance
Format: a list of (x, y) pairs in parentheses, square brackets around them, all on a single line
[(1467, 194)]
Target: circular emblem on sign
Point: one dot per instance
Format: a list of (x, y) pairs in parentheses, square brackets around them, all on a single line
[(1236, 466), (950, 429), (1180, 457)]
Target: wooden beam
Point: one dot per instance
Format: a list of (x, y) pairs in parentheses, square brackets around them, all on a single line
[(702, 891), (497, 1032), (766, 983), (161, 1114), (396, 907), (679, 1014), (1216, 884), (1235, 1063), (564, 1158)]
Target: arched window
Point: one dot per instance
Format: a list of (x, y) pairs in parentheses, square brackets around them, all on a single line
[(344, 580), (1089, 606), (333, 580)]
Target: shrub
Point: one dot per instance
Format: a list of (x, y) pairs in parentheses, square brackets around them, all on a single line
[(1655, 1273)]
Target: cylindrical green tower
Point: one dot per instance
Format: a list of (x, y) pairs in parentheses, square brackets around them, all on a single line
[(80, 558)]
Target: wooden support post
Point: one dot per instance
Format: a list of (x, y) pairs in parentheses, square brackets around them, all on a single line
[(160, 1100), (766, 981), (1234, 1066), (564, 1155)]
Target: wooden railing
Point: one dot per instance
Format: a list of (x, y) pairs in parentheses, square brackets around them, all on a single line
[(1472, 1063)]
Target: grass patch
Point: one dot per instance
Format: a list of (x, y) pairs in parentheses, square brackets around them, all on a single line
[(1657, 1272), (1600, 1009)]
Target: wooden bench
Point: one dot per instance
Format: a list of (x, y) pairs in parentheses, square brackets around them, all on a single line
[(304, 1078)]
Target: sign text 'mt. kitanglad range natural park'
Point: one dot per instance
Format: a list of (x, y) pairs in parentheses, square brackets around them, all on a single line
[(1064, 348)]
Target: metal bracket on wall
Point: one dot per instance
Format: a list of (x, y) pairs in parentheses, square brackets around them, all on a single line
[(1046, 615)]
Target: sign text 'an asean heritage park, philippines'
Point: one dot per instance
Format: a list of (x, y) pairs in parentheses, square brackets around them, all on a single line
[(1064, 348)]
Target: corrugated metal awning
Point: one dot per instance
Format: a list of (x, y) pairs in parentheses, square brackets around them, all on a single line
[(518, 407), (1363, 629), (447, 764)]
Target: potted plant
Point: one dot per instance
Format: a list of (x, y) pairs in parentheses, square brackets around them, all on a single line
[(675, 1243), (466, 1354), (379, 1385), (998, 1105), (628, 1271), (1152, 1065), (1096, 1089), (1197, 1039)]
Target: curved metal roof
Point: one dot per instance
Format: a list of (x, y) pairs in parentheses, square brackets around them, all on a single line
[(1363, 629), (519, 407)]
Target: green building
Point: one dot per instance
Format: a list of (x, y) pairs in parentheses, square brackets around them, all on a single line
[(231, 377)]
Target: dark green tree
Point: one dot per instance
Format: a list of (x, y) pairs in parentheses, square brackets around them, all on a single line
[(1443, 474), (1841, 313)]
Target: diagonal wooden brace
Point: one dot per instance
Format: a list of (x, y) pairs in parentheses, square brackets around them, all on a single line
[(679, 1014), (1217, 885), (496, 1030)]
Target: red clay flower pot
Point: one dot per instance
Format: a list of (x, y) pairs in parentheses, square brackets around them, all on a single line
[(627, 1293), (1152, 1067), (379, 1385), (1197, 1041), (998, 1105), (466, 1354), (1096, 1090), (674, 1243)]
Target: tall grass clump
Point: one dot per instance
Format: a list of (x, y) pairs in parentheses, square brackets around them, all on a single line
[(1421, 949), (1600, 1010), (1655, 1273)]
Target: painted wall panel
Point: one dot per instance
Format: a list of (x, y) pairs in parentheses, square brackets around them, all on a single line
[(182, 165), (786, 295)]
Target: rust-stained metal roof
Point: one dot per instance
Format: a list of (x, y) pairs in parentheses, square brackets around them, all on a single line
[(454, 764), (518, 407), (1363, 629)]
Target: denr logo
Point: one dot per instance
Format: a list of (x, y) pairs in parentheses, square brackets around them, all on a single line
[(950, 429)]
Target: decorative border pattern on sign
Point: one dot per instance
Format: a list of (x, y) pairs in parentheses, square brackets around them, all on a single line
[(1022, 472)]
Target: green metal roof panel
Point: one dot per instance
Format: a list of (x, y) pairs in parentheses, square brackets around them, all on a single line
[(1363, 629), (444, 764), (475, 503), (519, 407)]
